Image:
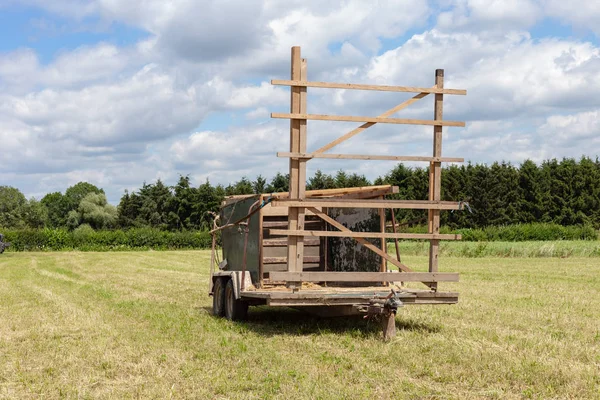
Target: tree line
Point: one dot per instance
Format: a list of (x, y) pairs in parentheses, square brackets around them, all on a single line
[(566, 192)]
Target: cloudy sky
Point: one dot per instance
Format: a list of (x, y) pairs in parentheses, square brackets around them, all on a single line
[(119, 92)]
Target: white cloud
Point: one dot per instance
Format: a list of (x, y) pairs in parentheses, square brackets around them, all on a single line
[(119, 115)]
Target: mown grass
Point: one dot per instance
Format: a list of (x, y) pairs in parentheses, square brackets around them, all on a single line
[(137, 325)]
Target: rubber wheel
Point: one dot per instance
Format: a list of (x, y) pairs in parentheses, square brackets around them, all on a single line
[(235, 310), (219, 297)]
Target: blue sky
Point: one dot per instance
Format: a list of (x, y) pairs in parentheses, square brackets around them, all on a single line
[(117, 93)]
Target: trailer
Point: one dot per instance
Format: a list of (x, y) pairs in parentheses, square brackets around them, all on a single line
[(325, 251)]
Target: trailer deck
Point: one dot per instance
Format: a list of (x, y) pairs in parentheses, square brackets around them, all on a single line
[(344, 296)]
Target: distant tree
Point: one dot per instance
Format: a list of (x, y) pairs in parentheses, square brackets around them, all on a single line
[(95, 211), (12, 205), (320, 181), (259, 185), (57, 208), (356, 180), (35, 214), (279, 183), (76, 193)]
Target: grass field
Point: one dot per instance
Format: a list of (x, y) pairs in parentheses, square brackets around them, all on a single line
[(138, 325)]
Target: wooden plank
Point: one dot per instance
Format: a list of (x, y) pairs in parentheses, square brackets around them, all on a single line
[(280, 260), (293, 214), (309, 156), (284, 224), (352, 118), (374, 235), (352, 203), (301, 169), (383, 242), (260, 247), (331, 192), (282, 242), (367, 125), (362, 241), (438, 114), (365, 276), (358, 86)]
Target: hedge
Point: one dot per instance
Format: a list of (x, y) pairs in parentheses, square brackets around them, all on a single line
[(85, 238), (521, 232)]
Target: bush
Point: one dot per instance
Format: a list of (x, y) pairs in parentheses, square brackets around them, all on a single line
[(85, 238), (520, 232)]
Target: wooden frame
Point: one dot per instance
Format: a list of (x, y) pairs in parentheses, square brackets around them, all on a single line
[(300, 202)]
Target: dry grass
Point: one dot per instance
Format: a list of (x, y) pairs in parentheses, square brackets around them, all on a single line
[(137, 325)]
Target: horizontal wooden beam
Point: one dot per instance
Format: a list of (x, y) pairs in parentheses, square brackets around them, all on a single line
[(326, 192), (283, 260), (351, 118), (365, 276), (352, 203), (425, 236), (368, 157), (358, 86)]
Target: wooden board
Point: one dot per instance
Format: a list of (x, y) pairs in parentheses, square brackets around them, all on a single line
[(351, 203), (358, 86), (422, 236), (352, 118), (368, 157), (365, 276)]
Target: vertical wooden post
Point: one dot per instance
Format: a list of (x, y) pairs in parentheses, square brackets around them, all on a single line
[(435, 193), (297, 167), (383, 241)]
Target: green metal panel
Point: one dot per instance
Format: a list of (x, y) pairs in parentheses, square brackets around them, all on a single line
[(346, 254), (233, 237)]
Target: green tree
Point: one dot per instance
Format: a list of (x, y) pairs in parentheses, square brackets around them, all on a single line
[(12, 205), (56, 205), (35, 214)]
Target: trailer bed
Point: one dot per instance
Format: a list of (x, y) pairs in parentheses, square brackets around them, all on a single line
[(343, 296)]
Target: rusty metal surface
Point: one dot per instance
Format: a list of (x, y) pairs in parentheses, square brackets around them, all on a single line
[(346, 254), (233, 237)]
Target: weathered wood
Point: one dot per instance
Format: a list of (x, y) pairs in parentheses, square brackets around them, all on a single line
[(279, 260), (260, 248), (352, 118), (367, 125), (388, 324), (365, 276), (362, 241), (368, 157), (282, 242), (382, 240), (294, 213), (374, 235), (437, 173), (322, 192), (352, 203), (357, 86)]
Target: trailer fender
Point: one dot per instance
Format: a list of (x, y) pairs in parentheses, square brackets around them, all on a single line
[(236, 277)]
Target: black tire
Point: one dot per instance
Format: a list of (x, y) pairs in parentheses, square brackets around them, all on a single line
[(219, 297), (1, 248), (235, 310)]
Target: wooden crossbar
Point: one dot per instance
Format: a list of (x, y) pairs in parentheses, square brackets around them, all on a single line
[(375, 235), (351, 118), (368, 157), (364, 276), (352, 203), (358, 86), (367, 125)]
